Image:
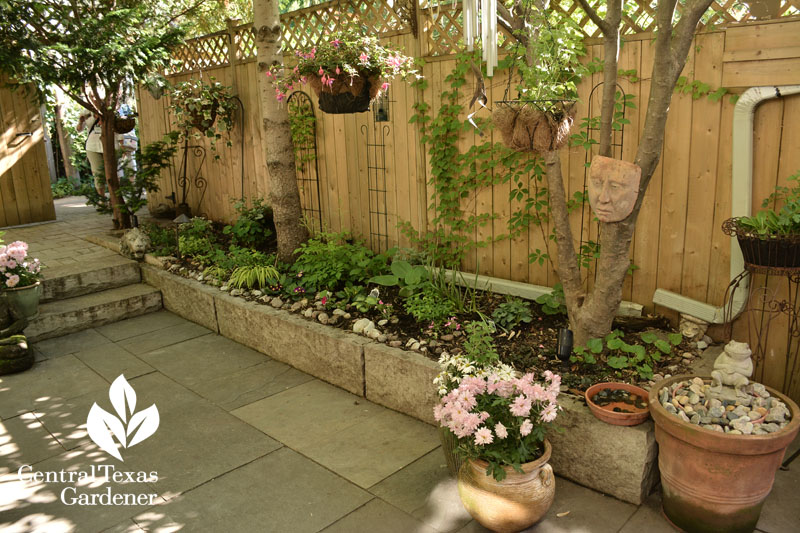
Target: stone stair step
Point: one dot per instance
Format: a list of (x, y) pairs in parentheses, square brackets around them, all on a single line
[(61, 317), (78, 279)]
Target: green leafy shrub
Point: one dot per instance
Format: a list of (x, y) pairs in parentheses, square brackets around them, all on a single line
[(63, 188), (553, 303), (512, 313), (162, 239), (479, 344), (329, 261), (200, 248), (621, 355), (428, 307), (404, 275), (253, 228)]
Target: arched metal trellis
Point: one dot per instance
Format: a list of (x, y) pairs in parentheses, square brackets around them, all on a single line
[(587, 246), (304, 137)]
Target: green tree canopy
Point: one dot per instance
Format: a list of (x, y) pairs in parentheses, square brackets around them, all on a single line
[(92, 50)]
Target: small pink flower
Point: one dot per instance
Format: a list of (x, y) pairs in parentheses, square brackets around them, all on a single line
[(501, 431), (549, 413), (338, 71), (521, 406), (483, 436), (12, 281), (363, 57), (269, 73), (336, 43), (526, 428), (384, 86), (321, 72)]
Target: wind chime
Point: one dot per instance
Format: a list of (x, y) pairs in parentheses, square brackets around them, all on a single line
[(487, 28)]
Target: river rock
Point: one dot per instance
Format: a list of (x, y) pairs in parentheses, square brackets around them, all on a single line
[(361, 324), (446, 338), (236, 292), (323, 318), (383, 322), (224, 288), (308, 312), (339, 312), (395, 344), (276, 302)]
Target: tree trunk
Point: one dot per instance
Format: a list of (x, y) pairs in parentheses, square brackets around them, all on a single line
[(122, 219), (284, 195), (591, 315), (65, 145)]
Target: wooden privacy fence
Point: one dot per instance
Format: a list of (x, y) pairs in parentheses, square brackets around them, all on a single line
[(373, 171)]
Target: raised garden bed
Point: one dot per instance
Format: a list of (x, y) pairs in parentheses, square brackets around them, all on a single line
[(619, 461)]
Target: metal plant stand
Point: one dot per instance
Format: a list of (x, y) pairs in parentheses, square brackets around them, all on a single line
[(770, 310)]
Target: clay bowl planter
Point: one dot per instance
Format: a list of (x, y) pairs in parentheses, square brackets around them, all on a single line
[(514, 504), (633, 416), (712, 481)]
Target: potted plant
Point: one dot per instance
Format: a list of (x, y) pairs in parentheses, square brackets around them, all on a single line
[(505, 483), (716, 479), (347, 71), (549, 69), (771, 238), (203, 110), (480, 359), (19, 278)]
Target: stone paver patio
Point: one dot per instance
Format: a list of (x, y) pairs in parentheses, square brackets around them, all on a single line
[(245, 443)]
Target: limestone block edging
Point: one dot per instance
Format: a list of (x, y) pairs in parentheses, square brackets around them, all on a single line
[(619, 461)]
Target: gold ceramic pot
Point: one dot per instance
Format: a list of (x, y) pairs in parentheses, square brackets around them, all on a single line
[(515, 503)]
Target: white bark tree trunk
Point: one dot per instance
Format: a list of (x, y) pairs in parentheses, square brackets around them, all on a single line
[(284, 196)]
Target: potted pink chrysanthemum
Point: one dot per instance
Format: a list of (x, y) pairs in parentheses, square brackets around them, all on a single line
[(20, 278), (501, 425)]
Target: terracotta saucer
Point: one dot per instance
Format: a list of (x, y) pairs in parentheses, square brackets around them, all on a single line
[(607, 414)]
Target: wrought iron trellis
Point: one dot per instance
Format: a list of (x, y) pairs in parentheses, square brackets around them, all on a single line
[(306, 160), (183, 182), (617, 138), (376, 172)]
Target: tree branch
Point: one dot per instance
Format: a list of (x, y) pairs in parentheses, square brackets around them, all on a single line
[(513, 25), (686, 27), (602, 24), (610, 59), (568, 271)]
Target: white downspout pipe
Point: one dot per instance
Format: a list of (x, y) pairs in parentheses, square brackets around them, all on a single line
[(741, 202)]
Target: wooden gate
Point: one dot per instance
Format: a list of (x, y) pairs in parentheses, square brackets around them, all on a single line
[(25, 194)]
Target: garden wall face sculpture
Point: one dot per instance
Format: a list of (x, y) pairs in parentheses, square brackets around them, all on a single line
[(613, 188)]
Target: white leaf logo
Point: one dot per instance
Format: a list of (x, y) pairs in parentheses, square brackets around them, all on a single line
[(103, 426)]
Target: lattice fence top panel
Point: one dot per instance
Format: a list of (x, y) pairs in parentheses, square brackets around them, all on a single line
[(201, 53), (441, 25), (442, 22), (308, 26)]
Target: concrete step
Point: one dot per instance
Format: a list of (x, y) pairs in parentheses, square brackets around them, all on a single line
[(78, 279), (61, 317)]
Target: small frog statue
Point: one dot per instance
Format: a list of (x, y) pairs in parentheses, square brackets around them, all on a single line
[(15, 355), (733, 367)]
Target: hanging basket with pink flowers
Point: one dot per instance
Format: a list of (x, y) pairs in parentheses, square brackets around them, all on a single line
[(347, 71)]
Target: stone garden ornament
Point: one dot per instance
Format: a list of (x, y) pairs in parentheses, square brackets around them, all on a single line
[(613, 188), (733, 368), (134, 244)]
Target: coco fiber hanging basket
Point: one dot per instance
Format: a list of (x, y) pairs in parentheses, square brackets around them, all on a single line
[(346, 94), (526, 128)]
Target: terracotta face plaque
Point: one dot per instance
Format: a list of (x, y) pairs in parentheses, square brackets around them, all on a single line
[(613, 188)]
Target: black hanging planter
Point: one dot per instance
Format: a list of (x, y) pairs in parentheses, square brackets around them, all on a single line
[(765, 251), (343, 103)]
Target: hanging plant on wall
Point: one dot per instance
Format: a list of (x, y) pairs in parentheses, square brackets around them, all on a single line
[(537, 114), (347, 72), (203, 110)]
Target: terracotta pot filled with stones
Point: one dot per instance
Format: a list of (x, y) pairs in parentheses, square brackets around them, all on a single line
[(719, 449)]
